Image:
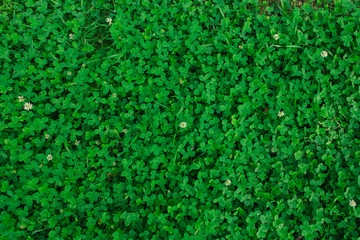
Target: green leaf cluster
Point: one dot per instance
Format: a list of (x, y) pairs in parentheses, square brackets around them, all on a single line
[(268, 92)]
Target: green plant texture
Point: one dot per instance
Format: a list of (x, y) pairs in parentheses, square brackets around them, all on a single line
[(152, 119)]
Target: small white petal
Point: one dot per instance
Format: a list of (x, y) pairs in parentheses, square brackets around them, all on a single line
[(324, 54), (28, 106)]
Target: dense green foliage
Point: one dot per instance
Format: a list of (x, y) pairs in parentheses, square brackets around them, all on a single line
[(179, 119)]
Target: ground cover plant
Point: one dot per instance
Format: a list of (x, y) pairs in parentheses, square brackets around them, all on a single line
[(179, 119)]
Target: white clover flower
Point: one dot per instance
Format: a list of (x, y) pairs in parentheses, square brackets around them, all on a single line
[(114, 95), (228, 182), (98, 142), (125, 130), (69, 73), (71, 36), (49, 157), (28, 106), (240, 46), (21, 98), (83, 65), (183, 124), (77, 142), (181, 81), (280, 114), (47, 136), (324, 54), (276, 36), (352, 203), (109, 20)]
